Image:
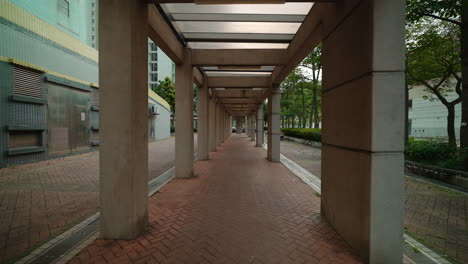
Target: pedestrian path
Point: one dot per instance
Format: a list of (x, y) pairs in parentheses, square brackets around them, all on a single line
[(239, 208)]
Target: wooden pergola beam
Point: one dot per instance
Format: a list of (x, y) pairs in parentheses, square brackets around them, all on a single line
[(232, 57)]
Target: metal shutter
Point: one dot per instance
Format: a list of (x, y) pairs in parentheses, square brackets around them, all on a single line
[(27, 83)]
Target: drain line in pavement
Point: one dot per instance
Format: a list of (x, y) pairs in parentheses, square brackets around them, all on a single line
[(66, 245)]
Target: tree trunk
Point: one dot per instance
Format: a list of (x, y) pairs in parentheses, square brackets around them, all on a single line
[(406, 110), (451, 125), (464, 95), (311, 120), (315, 105)]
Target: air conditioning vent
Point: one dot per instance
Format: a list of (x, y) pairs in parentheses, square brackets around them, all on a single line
[(27, 83)]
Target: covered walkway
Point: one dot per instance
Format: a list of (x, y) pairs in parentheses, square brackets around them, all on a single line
[(238, 52), (239, 208)]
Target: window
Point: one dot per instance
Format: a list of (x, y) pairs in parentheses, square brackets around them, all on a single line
[(154, 67), (23, 139), (154, 56), (27, 82), (410, 103), (63, 7), (154, 77)]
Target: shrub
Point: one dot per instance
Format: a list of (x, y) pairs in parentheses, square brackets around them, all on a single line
[(428, 150), (313, 134), (434, 152)]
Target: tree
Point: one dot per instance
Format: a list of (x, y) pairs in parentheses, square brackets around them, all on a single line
[(456, 13), (166, 89), (433, 60), (289, 103), (314, 62)]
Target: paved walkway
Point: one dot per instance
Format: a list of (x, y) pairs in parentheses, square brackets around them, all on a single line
[(239, 208), (436, 216), (41, 200)]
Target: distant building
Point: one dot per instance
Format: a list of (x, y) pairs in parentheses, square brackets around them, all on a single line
[(159, 65), (49, 86), (428, 118)]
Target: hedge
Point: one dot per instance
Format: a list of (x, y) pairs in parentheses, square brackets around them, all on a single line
[(313, 134), (435, 152)]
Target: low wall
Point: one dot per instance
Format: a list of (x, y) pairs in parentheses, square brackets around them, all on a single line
[(453, 177)]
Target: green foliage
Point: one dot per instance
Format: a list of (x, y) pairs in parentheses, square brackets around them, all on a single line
[(447, 10), (435, 152), (313, 134), (428, 150), (432, 52), (301, 93), (166, 89)]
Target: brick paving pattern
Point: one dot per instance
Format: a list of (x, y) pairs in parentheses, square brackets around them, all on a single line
[(239, 208), (437, 217), (41, 200)]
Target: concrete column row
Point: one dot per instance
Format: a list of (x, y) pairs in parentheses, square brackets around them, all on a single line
[(203, 121), (252, 127), (212, 125), (239, 125), (184, 149), (273, 152), (260, 126)]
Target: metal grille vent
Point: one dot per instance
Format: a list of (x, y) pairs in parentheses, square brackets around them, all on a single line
[(27, 83), (95, 97)]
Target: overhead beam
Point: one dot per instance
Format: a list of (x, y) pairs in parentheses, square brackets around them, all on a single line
[(238, 93), (239, 81), (321, 20), (197, 77), (160, 32), (234, 1), (231, 57), (238, 100)]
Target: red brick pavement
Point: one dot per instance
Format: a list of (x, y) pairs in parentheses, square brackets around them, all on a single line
[(239, 208), (434, 215), (39, 201)]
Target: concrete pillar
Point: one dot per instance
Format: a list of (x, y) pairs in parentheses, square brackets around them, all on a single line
[(363, 128), (274, 124), (239, 125), (252, 127), (203, 121), (226, 127), (221, 124), (212, 125), (260, 126), (123, 155), (218, 121), (184, 148)]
